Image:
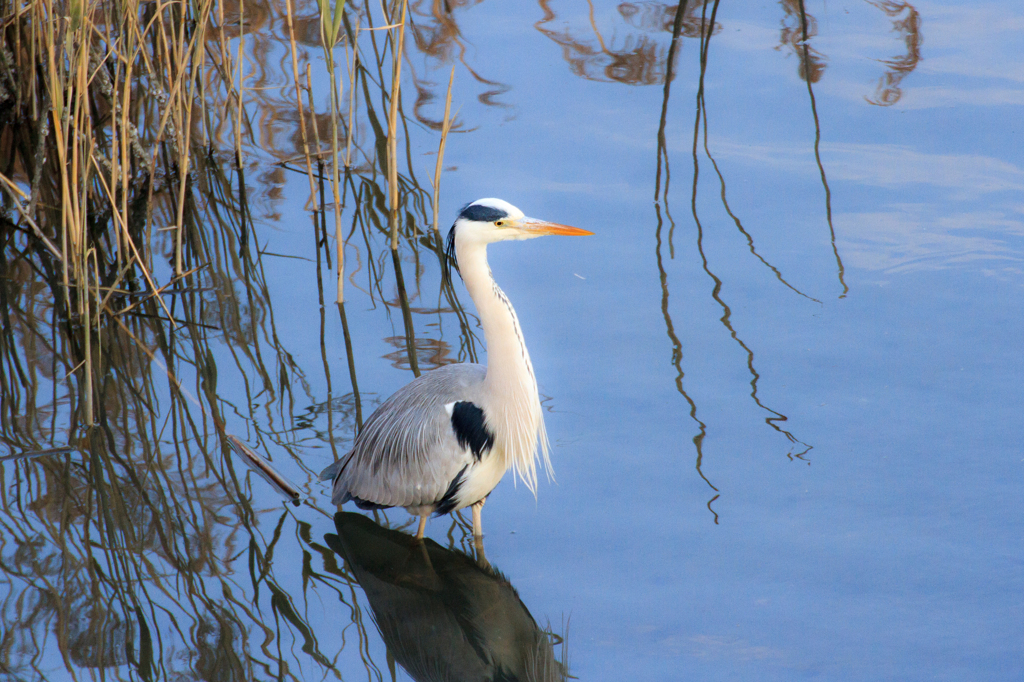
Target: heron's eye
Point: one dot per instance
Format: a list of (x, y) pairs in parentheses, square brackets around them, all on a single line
[(499, 223)]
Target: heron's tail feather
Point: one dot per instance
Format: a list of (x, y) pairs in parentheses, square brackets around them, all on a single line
[(331, 472)]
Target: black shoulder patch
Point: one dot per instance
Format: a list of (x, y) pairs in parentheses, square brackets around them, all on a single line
[(481, 213), (469, 427), (447, 503)]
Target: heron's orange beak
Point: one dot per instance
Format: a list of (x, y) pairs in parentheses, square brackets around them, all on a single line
[(542, 227)]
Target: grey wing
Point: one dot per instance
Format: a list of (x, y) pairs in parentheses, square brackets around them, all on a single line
[(407, 453)]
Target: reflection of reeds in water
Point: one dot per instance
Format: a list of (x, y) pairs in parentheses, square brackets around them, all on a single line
[(661, 196), (701, 131), (798, 27), (906, 21), (134, 288), (812, 67), (128, 549), (640, 58)]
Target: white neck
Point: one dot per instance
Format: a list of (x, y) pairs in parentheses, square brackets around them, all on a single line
[(514, 411)]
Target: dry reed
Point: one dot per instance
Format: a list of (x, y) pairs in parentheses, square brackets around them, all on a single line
[(132, 281), (446, 126), (398, 41)]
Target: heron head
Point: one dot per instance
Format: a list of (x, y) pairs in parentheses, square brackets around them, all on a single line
[(493, 220)]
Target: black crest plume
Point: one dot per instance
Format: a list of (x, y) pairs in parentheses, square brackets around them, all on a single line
[(449, 252), (478, 212)]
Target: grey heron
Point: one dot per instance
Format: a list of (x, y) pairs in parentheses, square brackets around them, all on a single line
[(443, 441)]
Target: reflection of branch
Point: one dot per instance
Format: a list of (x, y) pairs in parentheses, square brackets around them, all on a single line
[(654, 17), (812, 62), (716, 291), (131, 539), (888, 91), (736, 219), (669, 66), (725, 202), (817, 151), (439, 38), (702, 113), (677, 361), (640, 59), (431, 353), (410, 335), (349, 353), (677, 346)]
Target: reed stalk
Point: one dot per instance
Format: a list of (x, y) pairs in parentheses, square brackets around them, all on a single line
[(353, 67), (446, 126), (185, 122), (330, 36), (240, 109), (298, 102), (398, 46)]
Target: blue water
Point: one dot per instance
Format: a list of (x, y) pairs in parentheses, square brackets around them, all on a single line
[(754, 480)]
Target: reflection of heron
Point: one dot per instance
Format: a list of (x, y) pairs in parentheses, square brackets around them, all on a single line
[(441, 615), (444, 441)]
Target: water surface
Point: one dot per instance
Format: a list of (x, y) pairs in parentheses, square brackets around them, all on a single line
[(782, 381)]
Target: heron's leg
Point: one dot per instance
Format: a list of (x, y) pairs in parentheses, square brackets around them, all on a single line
[(478, 528), (478, 534), (423, 526)]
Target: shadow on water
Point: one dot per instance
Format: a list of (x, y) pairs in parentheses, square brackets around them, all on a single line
[(442, 614)]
